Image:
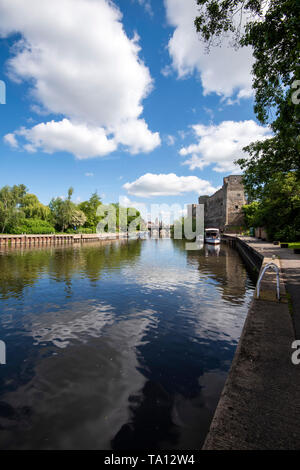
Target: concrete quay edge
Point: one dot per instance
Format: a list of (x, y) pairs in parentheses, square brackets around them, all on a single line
[(259, 408)]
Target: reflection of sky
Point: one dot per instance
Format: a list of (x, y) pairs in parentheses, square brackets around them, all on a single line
[(89, 359), (90, 386), (78, 322), (212, 291), (161, 277)]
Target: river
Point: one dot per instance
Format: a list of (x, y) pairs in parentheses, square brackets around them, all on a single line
[(117, 345)]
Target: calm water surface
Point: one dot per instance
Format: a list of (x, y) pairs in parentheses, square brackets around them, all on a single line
[(119, 345)]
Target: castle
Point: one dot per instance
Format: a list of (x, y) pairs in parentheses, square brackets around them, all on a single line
[(223, 209)]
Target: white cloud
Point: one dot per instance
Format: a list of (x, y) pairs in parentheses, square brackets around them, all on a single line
[(89, 175), (147, 5), (79, 139), (194, 162), (166, 71), (81, 65), (151, 185), (182, 134), (136, 136), (222, 144), (223, 71), (170, 140), (11, 140)]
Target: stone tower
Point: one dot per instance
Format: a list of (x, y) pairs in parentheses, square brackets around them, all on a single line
[(223, 209)]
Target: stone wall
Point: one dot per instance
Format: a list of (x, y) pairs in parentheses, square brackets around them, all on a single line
[(224, 208), (235, 200), (214, 209), (261, 232)]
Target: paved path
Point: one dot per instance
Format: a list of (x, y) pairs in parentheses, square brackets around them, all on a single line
[(290, 267), (260, 405)]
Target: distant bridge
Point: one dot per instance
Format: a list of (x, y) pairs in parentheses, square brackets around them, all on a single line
[(159, 230)]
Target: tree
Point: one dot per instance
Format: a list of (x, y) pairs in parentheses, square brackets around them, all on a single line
[(113, 217), (78, 218), (11, 205), (33, 208), (251, 214), (65, 213), (271, 28), (278, 209), (127, 218), (90, 210), (21, 212)]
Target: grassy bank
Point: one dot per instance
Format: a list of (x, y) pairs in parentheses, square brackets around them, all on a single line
[(294, 245)]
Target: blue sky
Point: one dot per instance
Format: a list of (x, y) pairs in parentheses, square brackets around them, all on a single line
[(119, 97)]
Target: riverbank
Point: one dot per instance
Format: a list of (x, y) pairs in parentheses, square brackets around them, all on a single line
[(260, 404), (15, 240)]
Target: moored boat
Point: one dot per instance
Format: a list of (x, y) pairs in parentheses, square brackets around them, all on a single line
[(212, 236)]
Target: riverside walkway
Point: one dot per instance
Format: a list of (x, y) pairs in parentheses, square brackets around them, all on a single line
[(290, 268), (259, 408)]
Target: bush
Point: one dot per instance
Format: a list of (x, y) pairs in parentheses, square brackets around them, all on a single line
[(86, 230), (252, 214), (287, 234), (80, 230), (31, 227)]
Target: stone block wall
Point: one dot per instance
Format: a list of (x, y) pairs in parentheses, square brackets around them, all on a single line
[(224, 208), (235, 200)]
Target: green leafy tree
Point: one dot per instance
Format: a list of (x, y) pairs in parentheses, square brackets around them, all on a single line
[(252, 214), (65, 214), (78, 218), (128, 218), (114, 217), (271, 28), (89, 208), (33, 208), (11, 199), (278, 209)]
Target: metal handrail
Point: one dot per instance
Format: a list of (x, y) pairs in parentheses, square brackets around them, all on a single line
[(272, 266)]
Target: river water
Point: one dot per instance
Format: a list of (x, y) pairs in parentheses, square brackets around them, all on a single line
[(117, 345)]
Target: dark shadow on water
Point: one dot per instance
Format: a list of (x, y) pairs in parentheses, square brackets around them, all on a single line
[(152, 421)]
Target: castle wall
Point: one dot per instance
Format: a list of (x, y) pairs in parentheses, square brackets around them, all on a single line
[(215, 210), (224, 208), (235, 200)]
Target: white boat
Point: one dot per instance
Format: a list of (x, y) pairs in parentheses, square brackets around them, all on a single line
[(212, 236)]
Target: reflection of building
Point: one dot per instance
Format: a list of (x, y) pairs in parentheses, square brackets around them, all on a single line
[(224, 266), (224, 208)]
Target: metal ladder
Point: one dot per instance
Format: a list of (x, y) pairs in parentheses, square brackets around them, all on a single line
[(272, 266)]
